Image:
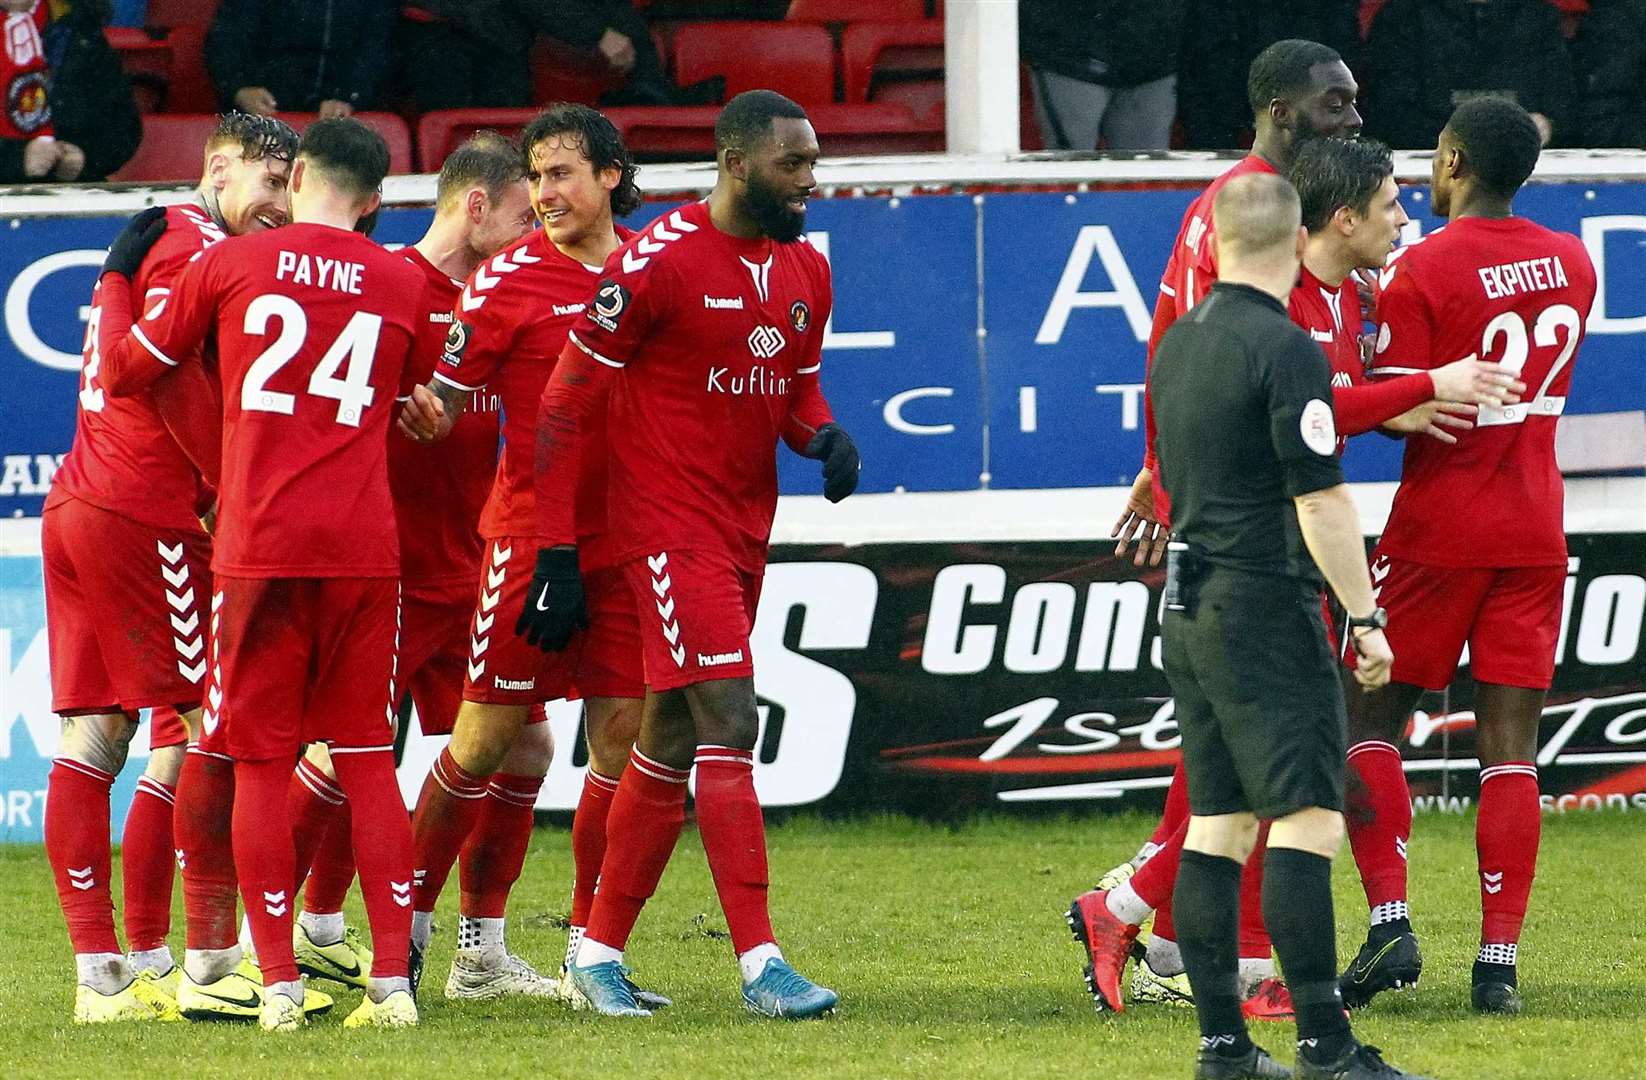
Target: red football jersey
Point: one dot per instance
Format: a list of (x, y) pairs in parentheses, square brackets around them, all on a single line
[(313, 325), (1191, 271), (439, 488), (124, 459), (719, 338), (1509, 291), (511, 325)]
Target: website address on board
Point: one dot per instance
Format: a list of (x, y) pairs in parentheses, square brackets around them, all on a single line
[(1589, 803)]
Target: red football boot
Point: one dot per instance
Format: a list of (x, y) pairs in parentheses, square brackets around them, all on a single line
[(1269, 1000), (1107, 942)]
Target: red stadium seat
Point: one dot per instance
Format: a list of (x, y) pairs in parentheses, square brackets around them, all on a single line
[(190, 88), (845, 11), (173, 148), (438, 133), (923, 97), (146, 62), (896, 49), (843, 131), (795, 60), (562, 73), (389, 125)]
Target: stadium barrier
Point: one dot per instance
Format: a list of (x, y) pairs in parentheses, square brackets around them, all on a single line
[(956, 635)]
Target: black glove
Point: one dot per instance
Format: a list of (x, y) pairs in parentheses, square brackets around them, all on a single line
[(555, 605), (129, 249), (835, 449)]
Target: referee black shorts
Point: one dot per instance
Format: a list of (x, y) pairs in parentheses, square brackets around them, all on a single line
[(1258, 698)]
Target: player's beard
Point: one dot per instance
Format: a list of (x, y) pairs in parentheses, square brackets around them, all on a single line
[(768, 206)]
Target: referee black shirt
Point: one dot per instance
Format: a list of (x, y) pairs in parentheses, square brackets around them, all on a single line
[(1243, 416)]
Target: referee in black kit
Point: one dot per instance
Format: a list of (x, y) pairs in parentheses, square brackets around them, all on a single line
[(1243, 407)]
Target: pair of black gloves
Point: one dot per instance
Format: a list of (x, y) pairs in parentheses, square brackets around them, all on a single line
[(556, 607)]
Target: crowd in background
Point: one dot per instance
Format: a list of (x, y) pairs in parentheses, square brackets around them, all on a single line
[(1101, 74)]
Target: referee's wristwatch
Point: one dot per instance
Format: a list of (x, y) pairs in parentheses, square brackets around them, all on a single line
[(1377, 620)]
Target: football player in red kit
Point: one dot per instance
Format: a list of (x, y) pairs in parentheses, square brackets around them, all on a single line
[(1299, 90), (126, 578), (512, 320), (706, 335), (1475, 548), (481, 207), (313, 326), (1351, 208)]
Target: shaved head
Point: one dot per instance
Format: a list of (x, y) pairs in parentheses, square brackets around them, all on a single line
[(1255, 215)]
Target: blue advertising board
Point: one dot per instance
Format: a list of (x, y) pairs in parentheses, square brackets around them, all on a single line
[(990, 340)]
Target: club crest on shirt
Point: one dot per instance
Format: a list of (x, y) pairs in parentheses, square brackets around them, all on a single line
[(457, 340), (800, 316), (610, 301), (1317, 427)]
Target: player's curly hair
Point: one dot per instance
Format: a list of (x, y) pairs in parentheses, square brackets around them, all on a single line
[(257, 137), (603, 147), (1333, 173), (1282, 71), (1499, 140)]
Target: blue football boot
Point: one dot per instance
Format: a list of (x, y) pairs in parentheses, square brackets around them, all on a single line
[(782, 991), (607, 989)]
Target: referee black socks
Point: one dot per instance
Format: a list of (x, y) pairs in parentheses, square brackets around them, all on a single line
[(1297, 906), (1206, 909)]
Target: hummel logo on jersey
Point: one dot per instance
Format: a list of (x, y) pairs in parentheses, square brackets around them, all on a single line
[(766, 341), (720, 659), (760, 380), (440, 316), (569, 309), (723, 303), (514, 684), (1321, 335)]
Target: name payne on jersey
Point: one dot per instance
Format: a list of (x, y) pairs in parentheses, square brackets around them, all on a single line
[(1523, 276), (760, 380), (320, 272)]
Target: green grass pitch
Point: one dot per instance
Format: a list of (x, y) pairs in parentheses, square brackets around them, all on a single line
[(950, 954)]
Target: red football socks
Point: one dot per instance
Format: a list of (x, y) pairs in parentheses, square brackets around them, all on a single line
[(447, 808), (647, 814), (265, 862), (148, 866), (383, 848), (1156, 878), (734, 838), (1507, 831), (201, 829), (1177, 807), (1379, 820), (77, 846), (496, 848), (333, 870), (589, 841), (1254, 935), (313, 799)]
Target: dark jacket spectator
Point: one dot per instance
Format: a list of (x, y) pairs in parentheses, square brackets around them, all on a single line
[(1221, 38), (1611, 50), (91, 98), (1110, 42), (325, 56), (1425, 57)]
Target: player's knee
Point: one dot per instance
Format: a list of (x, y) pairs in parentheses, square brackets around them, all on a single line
[(101, 740), (611, 726), (483, 735), (319, 756), (532, 752), (165, 764), (726, 713), (1228, 836), (1313, 829)]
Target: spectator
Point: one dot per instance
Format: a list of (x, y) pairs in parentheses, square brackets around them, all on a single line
[(92, 105), (1103, 68), (29, 147), (1425, 57), (1611, 51), (1221, 38), (269, 56), (459, 54)]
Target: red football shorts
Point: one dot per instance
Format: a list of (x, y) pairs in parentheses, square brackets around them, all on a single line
[(1508, 616), (125, 611), (301, 660), (166, 728), (698, 614), (434, 647), (503, 669)]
